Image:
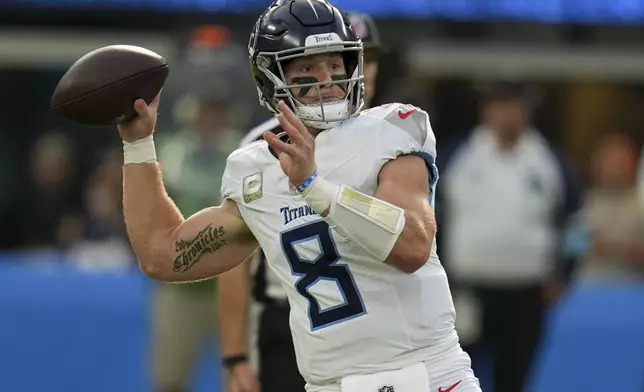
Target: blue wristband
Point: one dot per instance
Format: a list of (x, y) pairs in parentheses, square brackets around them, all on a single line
[(300, 189)]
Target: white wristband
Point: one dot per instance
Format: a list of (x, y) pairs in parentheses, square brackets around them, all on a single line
[(139, 151), (320, 194)]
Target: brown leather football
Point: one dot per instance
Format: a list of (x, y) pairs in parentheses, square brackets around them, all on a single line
[(101, 87)]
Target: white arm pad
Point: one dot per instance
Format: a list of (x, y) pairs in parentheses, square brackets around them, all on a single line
[(139, 151), (373, 224)]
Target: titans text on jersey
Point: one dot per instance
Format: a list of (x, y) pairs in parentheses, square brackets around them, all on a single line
[(291, 214)]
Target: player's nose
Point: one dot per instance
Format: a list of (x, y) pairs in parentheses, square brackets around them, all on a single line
[(324, 75)]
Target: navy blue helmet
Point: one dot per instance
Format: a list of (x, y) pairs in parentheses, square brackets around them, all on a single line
[(290, 29)]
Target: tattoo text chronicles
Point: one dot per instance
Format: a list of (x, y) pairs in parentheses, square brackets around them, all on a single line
[(190, 252)]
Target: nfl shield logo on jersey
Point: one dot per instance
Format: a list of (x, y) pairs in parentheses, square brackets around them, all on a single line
[(386, 388)]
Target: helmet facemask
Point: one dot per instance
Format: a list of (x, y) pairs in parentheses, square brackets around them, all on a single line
[(319, 115)]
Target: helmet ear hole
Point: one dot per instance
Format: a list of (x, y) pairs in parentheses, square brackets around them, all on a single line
[(264, 61)]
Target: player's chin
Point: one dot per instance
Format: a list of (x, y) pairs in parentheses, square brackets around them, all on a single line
[(326, 101)]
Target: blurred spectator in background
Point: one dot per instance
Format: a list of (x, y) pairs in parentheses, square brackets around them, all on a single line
[(193, 162), (196, 151), (194, 158), (505, 193), (47, 217), (366, 29), (104, 244), (610, 230)]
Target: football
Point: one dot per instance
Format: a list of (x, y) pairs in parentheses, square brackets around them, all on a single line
[(100, 88)]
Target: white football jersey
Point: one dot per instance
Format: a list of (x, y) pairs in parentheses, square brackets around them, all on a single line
[(350, 313)]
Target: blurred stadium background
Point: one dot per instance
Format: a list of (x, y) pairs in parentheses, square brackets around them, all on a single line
[(75, 312)]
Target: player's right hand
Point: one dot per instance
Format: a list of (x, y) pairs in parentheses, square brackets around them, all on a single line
[(297, 157), (143, 124), (242, 378)]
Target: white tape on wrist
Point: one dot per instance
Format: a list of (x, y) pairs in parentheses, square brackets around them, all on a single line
[(373, 224), (320, 194), (139, 151)]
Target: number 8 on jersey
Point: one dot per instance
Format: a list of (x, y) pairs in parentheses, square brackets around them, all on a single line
[(324, 267)]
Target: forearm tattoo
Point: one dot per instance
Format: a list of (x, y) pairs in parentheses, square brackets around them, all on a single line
[(209, 240)]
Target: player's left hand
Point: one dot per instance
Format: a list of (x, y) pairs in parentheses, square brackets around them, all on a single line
[(242, 378), (297, 158)]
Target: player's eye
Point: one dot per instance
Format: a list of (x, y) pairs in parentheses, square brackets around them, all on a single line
[(336, 67)]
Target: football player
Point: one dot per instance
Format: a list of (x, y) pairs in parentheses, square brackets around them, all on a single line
[(272, 344), (340, 203)]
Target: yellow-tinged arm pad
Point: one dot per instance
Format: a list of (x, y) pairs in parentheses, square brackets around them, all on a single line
[(373, 224)]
